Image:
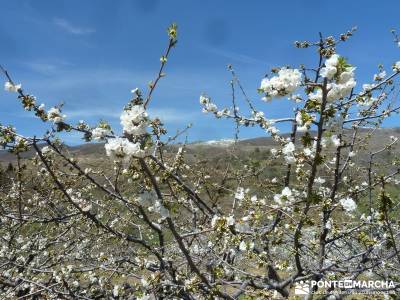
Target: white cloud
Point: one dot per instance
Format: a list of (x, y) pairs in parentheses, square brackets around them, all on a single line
[(46, 67), (67, 26), (72, 78), (43, 68)]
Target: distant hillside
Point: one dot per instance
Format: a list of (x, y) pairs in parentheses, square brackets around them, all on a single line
[(214, 148)]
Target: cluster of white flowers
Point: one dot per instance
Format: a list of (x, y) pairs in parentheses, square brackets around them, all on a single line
[(287, 81), (54, 114), (241, 193), (218, 221), (79, 200), (134, 120), (342, 85), (348, 204), (352, 154), (309, 152), (119, 148), (10, 87), (335, 140), (47, 150), (144, 297), (368, 87), (258, 115), (303, 124), (208, 106), (380, 76), (150, 200), (330, 69), (288, 152), (116, 290), (99, 133), (396, 66), (269, 127), (286, 194), (246, 246)]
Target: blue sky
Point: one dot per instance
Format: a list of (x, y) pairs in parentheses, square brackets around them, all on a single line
[(90, 54)]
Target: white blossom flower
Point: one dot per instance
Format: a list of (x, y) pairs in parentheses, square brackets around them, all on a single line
[(303, 125), (239, 195), (328, 72), (46, 150), (335, 140), (299, 119), (330, 69), (259, 115), (340, 90), (286, 194), (135, 93), (308, 152), (380, 76), (214, 220), (343, 84), (302, 128), (347, 76), (332, 61), (288, 152), (243, 246), (144, 297), (116, 290), (328, 224), (100, 133), (208, 106), (9, 87), (367, 87), (288, 148), (290, 159), (54, 114), (144, 282), (396, 67), (204, 99), (230, 220), (122, 148), (134, 120), (348, 204), (316, 96), (285, 83)]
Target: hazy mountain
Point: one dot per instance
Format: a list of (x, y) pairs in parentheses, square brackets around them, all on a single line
[(214, 148)]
